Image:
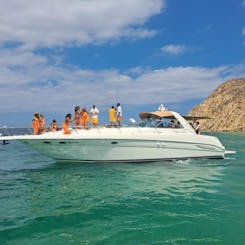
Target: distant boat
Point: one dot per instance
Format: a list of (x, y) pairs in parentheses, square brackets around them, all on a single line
[(154, 138)]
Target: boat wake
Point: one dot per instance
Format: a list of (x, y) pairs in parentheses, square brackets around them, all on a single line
[(230, 152), (183, 162)]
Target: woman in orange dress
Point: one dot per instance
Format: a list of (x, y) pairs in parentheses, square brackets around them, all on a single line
[(85, 118), (35, 123), (41, 123), (65, 124), (77, 117)]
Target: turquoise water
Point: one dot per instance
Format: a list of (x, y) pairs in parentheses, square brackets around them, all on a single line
[(182, 202)]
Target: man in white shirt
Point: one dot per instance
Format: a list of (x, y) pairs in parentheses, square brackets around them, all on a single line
[(119, 115), (94, 115)]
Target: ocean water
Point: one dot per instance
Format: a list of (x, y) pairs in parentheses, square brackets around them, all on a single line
[(181, 202)]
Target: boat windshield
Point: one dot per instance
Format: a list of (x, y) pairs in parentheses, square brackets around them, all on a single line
[(158, 123)]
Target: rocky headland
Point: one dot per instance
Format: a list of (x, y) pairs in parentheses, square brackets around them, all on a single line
[(226, 107)]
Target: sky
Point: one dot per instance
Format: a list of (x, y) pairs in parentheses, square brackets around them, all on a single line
[(56, 54)]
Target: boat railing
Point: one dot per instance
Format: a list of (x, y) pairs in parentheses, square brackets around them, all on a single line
[(10, 131), (139, 130)]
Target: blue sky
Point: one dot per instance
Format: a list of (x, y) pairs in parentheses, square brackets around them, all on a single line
[(57, 54)]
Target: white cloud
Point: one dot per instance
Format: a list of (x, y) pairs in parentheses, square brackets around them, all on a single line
[(29, 81), (173, 49), (75, 22)]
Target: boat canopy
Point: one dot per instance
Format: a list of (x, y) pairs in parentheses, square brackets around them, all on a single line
[(168, 115), (162, 112)]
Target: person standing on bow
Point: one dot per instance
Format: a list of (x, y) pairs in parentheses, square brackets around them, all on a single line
[(77, 116), (35, 123), (66, 123), (112, 118), (85, 118), (94, 115), (119, 114), (41, 123)]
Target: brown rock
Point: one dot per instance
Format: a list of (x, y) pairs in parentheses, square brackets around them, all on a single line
[(226, 105)]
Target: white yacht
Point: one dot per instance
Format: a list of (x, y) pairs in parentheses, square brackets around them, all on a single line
[(160, 135)]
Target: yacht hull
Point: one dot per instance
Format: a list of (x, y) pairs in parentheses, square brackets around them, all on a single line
[(123, 150)]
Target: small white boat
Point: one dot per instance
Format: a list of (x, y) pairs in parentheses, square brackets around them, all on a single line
[(152, 139)]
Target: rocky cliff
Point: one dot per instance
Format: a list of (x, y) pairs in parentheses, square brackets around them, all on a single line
[(226, 105)]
